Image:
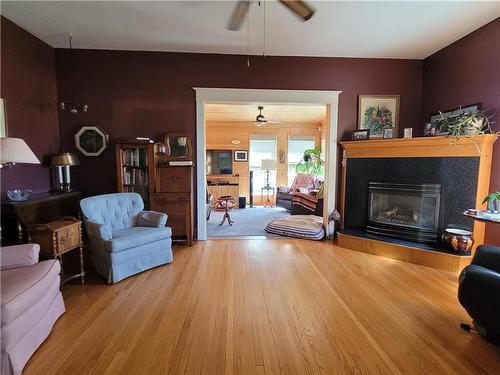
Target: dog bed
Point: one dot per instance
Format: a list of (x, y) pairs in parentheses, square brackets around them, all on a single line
[(309, 227)]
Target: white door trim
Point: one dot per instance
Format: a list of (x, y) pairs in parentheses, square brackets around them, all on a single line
[(206, 95)]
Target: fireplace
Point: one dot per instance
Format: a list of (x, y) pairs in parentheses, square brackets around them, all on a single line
[(408, 211)]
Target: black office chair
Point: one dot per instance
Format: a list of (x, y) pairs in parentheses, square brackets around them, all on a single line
[(479, 292)]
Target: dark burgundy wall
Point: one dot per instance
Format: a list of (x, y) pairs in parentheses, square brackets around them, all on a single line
[(150, 93), (467, 72), (28, 85)]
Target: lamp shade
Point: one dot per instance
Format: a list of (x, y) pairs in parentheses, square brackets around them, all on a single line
[(268, 165), (15, 150), (65, 158)]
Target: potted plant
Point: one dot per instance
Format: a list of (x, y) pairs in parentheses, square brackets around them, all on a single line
[(468, 123), (311, 163), (493, 200)]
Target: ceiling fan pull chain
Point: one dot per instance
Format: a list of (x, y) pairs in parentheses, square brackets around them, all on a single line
[(265, 28), (248, 39)]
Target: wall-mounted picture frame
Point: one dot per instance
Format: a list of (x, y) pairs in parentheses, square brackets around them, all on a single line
[(360, 135), (378, 112), (3, 119), (282, 156), (437, 119), (178, 147), (91, 140), (240, 155), (388, 133)]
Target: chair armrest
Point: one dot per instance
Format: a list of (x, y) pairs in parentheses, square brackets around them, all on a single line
[(19, 255), (98, 230), (488, 256), (151, 219)]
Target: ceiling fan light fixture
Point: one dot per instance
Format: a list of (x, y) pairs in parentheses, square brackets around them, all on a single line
[(301, 8), (76, 104)]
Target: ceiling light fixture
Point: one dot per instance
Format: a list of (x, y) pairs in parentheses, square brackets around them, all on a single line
[(77, 103)]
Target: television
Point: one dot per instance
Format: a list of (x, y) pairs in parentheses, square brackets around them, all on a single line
[(219, 162)]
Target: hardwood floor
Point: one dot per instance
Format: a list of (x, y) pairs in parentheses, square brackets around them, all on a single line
[(267, 307)]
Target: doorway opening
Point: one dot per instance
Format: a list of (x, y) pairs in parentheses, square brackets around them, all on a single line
[(264, 154)]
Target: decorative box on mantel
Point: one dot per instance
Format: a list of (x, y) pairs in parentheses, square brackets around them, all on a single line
[(399, 195)]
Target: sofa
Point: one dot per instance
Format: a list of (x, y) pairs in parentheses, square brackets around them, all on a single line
[(479, 291), (31, 302), (124, 238), (303, 183)]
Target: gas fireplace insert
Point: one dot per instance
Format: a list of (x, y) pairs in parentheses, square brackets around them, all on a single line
[(409, 211)]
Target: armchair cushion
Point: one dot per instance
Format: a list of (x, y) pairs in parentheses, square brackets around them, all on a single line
[(118, 210), (23, 287), (19, 256), (98, 230), (137, 236), (151, 219)]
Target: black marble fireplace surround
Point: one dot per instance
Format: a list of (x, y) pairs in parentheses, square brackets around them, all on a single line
[(456, 175)]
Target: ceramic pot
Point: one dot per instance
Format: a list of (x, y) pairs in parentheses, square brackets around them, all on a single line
[(458, 240)]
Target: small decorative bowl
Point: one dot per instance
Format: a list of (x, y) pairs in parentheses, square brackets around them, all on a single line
[(19, 195)]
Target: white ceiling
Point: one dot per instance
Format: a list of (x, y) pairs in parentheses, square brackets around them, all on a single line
[(402, 29), (274, 112)]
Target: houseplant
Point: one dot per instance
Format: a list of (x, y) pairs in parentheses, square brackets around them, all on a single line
[(311, 163), (493, 200), (467, 123)]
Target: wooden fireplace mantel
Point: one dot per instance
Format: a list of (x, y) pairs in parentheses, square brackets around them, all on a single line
[(480, 146)]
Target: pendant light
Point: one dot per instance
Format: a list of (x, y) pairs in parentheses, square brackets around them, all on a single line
[(76, 104)]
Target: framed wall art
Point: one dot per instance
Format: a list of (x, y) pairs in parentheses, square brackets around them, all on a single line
[(378, 112), (240, 155), (91, 140), (3, 119)]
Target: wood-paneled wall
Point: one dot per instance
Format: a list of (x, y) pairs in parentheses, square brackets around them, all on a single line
[(220, 135)]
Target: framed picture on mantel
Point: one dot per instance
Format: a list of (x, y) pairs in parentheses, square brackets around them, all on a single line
[(377, 113)]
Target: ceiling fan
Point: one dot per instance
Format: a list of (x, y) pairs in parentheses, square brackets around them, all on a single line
[(303, 10), (260, 120)]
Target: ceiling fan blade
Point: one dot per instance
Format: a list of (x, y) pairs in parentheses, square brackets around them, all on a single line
[(300, 8), (275, 122), (239, 13)]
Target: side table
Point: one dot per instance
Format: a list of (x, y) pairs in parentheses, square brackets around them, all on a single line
[(268, 189), (57, 238)]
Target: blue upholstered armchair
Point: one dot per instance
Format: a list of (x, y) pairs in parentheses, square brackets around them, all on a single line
[(125, 239)]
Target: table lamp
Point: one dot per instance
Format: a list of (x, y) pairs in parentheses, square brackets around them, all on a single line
[(268, 165), (62, 164), (15, 150)]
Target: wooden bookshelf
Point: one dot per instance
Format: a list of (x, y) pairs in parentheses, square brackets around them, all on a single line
[(135, 170)]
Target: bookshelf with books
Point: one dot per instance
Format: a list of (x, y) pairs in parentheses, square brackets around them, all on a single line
[(135, 167)]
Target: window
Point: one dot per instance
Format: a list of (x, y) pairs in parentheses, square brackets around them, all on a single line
[(262, 147), (296, 147)]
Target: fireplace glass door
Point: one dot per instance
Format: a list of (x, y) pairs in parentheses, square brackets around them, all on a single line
[(406, 211)]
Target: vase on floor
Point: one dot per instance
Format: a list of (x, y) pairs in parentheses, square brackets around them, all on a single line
[(458, 240)]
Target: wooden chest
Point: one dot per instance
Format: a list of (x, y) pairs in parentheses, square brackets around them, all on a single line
[(57, 237)]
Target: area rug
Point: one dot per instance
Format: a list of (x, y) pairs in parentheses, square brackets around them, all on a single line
[(247, 221)]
